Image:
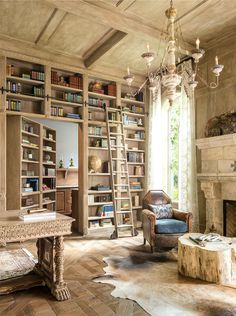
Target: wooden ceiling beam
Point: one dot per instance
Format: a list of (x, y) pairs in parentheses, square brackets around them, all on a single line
[(50, 26), (102, 47), (114, 19)]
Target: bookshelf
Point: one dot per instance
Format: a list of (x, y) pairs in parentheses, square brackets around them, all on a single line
[(66, 94), (101, 94), (25, 87), (135, 131), (25, 164), (37, 87)]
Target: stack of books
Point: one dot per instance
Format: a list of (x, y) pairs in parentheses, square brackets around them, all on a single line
[(37, 215), (73, 115)]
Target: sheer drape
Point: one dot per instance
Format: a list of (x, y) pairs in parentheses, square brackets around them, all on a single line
[(187, 156), (157, 145)]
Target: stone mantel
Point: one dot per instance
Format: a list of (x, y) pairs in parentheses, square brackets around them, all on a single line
[(217, 141), (217, 176)]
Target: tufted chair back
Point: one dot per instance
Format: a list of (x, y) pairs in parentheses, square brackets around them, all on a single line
[(155, 197)]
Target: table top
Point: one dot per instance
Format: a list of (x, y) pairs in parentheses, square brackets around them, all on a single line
[(14, 229), (226, 243), (9, 218)]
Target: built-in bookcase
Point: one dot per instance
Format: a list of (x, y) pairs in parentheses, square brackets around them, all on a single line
[(101, 94), (27, 183), (66, 94), (135, 132), (25, 91)]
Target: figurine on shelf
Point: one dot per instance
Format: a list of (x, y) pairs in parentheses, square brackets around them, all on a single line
[(61, 163), (71, 165)]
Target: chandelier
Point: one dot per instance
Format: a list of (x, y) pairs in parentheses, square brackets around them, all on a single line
[(169, 72)]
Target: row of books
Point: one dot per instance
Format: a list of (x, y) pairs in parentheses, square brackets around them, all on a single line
[(135, 157), (14, 105), (95, 130), (14, 87), (57, 111), (75, 82), (100, 103), (37, 75), (72, 97), (137, 135), (104, 222), (132, 121), (135, 185), (38, 91)]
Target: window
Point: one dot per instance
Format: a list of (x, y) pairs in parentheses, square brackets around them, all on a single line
[(173, 150)]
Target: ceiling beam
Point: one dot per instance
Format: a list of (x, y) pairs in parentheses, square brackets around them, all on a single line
[(117, 20), (50, 26), (102, 47)]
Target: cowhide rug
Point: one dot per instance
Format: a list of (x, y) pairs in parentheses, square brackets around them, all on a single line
[(153, 282)]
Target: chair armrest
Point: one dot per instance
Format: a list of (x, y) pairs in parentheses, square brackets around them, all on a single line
[(186, 217), (149, 222)]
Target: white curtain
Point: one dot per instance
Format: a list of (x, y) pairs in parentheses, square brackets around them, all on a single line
[(156, 148), (187, 155)]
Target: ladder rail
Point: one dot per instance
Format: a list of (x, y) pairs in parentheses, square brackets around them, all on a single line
[(119, 132)]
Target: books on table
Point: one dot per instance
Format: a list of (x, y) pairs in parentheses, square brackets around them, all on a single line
[(37, 215)]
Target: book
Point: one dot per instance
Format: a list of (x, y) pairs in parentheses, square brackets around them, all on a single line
[(40, 214)]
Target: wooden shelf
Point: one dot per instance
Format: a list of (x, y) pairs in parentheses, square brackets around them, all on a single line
[(29, 161), (97, 136), (65, 88), (48, 163), (136, 163), (49, 191), (137, 207), (29, 177), (96, 192), (94, 218), (25, 114), (49, 151), (28, 207), (101, 96), (99, 123), (135, 128), (99, 174), (136, 190), (26, 81), (95, 108), (49, 140), (48, 202), (49, 177), (66, 103), (129, 101), (135, 140), (30, 193), (24, 97), (136, 176), (29, 134), (100, 203), (98, 148), (29, 146), (134, 114), (136, 150), (65, 119), (101, 228)]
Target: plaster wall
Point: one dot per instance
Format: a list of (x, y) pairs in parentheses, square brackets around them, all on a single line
[(212, 102)]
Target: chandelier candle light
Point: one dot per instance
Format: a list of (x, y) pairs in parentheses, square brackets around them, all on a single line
[(169, 73)]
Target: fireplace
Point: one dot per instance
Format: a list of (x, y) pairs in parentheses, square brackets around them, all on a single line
[(217, 176), (229, 218)]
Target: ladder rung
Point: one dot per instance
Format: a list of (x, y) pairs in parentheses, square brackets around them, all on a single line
[(125, 225), (117, 146), (122, 198)]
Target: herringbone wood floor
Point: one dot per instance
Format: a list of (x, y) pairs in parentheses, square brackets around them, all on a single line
[(83, 262)]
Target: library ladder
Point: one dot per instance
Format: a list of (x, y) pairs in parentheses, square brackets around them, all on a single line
[(121, 195)]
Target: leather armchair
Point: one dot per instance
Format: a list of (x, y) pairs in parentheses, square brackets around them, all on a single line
[(160, 232)]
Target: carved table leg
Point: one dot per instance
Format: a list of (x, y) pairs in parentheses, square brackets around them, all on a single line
[(59, 287)]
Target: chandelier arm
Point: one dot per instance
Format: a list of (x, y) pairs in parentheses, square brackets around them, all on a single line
[(211, 85)]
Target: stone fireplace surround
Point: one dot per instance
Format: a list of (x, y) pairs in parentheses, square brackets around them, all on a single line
[(217, 176)]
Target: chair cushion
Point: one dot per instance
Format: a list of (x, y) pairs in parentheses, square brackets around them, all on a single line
[(162, 210), (170, 226)]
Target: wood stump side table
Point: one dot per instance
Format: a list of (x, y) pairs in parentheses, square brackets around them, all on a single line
[(216, 262), (49, 235)]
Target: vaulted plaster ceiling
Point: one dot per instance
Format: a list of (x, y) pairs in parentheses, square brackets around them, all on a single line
[(111, 33)]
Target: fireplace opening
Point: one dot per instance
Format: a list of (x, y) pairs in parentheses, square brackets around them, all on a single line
[(229, 218)]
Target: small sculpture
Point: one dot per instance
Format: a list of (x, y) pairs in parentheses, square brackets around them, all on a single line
[(61, 163), (95, 164), (71, 163)]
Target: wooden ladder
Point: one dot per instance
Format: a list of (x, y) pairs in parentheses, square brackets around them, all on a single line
[(123, 214)]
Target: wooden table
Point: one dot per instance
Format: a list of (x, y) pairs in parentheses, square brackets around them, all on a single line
[(49, 235), (216, 262)]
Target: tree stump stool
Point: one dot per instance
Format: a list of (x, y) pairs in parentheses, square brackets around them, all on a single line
[(216, 262)]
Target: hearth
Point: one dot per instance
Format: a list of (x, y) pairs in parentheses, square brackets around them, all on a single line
[(229, 218)]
